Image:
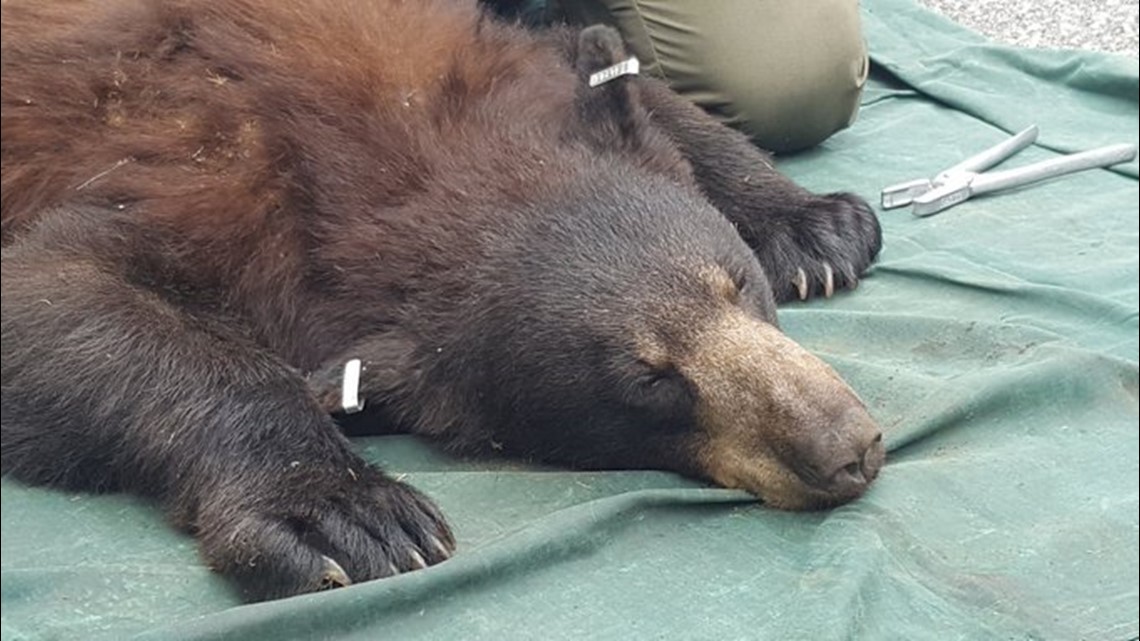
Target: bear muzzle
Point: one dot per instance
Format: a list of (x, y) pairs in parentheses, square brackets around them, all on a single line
[(777, 421)]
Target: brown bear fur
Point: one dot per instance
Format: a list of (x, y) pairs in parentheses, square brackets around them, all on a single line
[(209, 205)]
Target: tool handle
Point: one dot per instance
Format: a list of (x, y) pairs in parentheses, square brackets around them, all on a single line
[(997, 153), (1101, 157)]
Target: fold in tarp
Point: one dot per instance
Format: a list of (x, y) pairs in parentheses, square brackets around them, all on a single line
[(996, 343)]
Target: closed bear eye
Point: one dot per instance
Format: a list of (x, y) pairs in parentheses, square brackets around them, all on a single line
[(653, 379), (661, 389), (648, 372)]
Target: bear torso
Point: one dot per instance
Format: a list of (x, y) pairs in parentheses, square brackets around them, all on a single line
[(266, 160)]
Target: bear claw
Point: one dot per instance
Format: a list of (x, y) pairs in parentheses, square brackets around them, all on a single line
[(332, 575), (800, 281), (440, 549), (418, 562)]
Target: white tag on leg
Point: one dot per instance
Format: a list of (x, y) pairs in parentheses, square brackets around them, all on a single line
[(350, 400), (628, 67)]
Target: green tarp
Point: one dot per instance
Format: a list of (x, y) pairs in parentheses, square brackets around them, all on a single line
[(996, 342)]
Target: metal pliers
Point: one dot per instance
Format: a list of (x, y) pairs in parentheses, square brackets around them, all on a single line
[(960, 182)]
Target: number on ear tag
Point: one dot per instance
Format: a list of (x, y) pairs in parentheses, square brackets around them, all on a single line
[(627, 67)]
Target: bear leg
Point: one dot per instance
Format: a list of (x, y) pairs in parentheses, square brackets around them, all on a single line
[(808, 244), (110, 384)]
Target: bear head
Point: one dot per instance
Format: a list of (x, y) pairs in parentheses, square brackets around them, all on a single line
[(620, 321)]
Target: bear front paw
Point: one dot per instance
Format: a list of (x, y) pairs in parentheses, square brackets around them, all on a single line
[(323, 532), (833, 243)]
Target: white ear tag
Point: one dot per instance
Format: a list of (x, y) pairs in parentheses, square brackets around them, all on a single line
[(350, 400), (628, 67)]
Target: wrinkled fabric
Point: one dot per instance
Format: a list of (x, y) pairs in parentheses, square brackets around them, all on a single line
[(995, 342)]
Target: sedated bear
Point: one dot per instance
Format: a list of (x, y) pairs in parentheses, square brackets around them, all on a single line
[(209, 206)]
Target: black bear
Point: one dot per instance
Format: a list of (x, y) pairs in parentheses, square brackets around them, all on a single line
[(210, 206)]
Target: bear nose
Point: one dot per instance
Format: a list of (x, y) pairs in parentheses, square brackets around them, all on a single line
[(840, 457), (856, 462)]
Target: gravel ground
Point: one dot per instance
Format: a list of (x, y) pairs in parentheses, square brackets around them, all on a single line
[(1098, 25)]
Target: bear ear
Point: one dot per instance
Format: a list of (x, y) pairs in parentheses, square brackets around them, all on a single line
[(610, 113)]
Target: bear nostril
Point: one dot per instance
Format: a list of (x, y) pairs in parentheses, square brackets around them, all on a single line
[(849, 480), (843, 461)]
